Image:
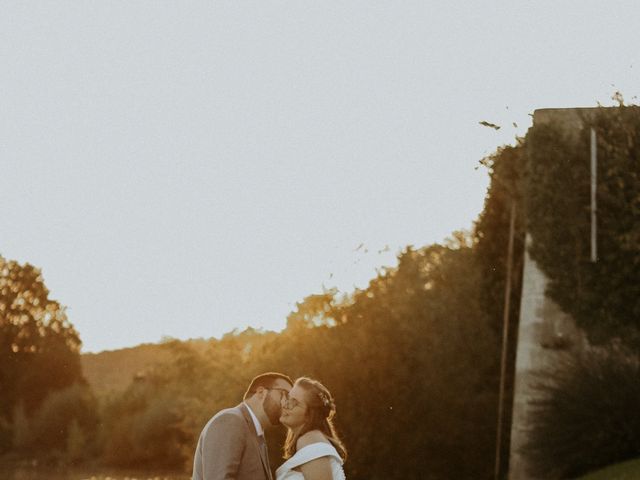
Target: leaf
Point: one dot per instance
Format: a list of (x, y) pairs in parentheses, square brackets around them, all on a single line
[(484, 123)]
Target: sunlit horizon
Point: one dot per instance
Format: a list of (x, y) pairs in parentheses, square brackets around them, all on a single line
[(183, 172)]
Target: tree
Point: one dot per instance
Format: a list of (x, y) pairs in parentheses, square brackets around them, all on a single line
[(491, 240), (410, 360), (39, 348)]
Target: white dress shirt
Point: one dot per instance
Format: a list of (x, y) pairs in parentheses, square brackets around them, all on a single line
[(256, 422)]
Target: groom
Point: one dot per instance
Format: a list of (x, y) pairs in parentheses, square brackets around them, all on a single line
[(232, 445)]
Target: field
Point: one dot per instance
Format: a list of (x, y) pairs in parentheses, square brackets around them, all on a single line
[(623, 471), (25, 473)]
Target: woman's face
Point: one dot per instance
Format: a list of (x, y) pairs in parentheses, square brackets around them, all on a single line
[(294, 409)]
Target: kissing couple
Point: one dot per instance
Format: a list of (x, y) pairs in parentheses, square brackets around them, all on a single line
[(232, 444)]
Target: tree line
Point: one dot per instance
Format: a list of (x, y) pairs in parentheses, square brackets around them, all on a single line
[(413, 359)]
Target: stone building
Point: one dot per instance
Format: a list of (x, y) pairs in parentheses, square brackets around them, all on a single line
[(545, 332)]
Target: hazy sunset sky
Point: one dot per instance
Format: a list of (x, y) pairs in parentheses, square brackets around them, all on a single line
[(186, 168)]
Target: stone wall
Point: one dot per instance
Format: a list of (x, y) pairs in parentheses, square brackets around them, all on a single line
[(544, 332)]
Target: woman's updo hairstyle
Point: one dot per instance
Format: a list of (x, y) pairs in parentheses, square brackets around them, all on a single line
[(320, 413)]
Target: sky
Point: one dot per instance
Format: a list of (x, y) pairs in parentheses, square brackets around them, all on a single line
[(183, 169)]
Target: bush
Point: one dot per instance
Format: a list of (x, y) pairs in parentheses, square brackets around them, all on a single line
[(620, 471), (70, 411), (586, 416), (142, 431)]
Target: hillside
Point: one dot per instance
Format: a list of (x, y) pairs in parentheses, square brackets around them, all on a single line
[(112, 371)]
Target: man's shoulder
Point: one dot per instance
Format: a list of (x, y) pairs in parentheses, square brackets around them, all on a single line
[(228, 423), (235, 411), (229, 416)]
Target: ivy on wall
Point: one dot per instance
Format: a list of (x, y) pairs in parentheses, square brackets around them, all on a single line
[(604, 296)]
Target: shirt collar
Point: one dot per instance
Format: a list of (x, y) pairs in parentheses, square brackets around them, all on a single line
[(256, 423)]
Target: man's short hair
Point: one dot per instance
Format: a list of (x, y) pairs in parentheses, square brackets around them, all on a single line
[(265, 380)]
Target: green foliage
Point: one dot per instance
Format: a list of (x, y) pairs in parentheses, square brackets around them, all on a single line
[(603, 297), (62, 411), (491, 236), (491, 233), (151, 424), (586, 415), (145, 433), (21, 429), (623, 471), (412, 356), (413, 361), (111, 372), (39, 348), (313, 311), (77, 442), (424, 352)]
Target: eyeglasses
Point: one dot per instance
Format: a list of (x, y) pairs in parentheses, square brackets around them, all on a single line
[(290, 403), (284, 393)]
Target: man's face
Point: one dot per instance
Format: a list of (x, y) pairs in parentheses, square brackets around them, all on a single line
[(272, 404)]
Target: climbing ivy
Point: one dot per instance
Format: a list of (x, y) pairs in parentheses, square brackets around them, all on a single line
[(603, 296)]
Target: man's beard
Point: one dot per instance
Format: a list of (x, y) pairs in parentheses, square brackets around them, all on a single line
[(272, 409)]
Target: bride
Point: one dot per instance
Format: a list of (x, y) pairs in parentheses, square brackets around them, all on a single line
[(313, 450)]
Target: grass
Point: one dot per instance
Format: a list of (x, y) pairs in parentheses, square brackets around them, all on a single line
[(629, 470), (41, 472), (33, 474)]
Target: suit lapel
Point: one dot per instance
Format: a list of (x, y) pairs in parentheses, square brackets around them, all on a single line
[(254, 439)]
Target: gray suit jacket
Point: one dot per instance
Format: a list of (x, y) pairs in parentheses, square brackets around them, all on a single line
[(228, 448)]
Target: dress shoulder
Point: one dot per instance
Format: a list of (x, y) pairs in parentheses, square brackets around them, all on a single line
[(307, 454), (311, 452)]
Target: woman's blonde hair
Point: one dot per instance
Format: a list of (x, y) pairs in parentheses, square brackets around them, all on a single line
[(320, 412)]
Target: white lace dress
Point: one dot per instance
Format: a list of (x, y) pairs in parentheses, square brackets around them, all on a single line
[(306, 454)]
